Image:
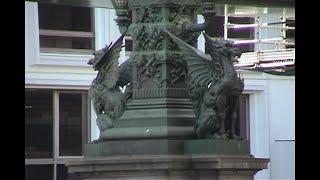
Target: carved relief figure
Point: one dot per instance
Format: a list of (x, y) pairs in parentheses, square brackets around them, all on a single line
[(182, 18), (149, 70)]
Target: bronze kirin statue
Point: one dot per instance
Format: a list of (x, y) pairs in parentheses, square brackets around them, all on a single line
[(213, 86), (108, 100)]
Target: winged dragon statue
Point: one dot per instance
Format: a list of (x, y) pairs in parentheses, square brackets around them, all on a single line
[(108, 100), (213, 86)]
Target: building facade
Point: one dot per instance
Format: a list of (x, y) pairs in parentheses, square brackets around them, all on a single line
[(60, 39)]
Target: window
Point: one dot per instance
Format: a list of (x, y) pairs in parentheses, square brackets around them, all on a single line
[(38, 122), (46, 172), (290, 32), (38, 172), (218, 30), (55, 131), (242, 33), (66, 28), (254, 28), (242, 126), (265, 35), (70, 127)]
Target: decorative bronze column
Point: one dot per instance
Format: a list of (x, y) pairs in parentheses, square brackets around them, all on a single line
[(160, 104)]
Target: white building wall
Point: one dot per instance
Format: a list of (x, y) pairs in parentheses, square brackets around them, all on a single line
[(282, 128), (272, 122)]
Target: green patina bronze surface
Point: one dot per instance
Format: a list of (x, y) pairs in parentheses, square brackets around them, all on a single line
[(108, 101), (134, 147), (167, 146), (213, 86)]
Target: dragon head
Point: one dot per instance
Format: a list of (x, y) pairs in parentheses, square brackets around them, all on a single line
[(219, 47), (97, 55)]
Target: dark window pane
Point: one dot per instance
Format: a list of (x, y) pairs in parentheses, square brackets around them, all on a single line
[(61, 17), (70, 124), (66, 42), (245, 47), (290, 33), (241, 33), (62, 173), (246, 33), (66, 19), (39, 172), (216, 29), (242, 122), (38, 124)]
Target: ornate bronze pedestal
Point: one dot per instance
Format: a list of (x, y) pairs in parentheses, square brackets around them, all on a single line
[(175, 119)]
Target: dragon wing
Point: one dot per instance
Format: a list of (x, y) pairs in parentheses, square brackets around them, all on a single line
[(125, 70), (199, 65), (108, 63)]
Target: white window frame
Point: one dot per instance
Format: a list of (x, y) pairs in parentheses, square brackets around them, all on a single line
[(106, 31), (259, 124), (86, 131)]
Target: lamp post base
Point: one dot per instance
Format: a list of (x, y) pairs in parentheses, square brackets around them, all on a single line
[(174, 167)]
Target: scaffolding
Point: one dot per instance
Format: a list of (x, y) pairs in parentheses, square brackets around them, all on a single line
[(283, 20), (267, 58)]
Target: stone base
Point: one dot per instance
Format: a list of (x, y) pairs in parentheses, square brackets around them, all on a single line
[(216, 146), (163, 159), (165, 167)]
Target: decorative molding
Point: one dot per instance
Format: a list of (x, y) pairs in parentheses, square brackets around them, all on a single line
[(57, 87), (160, 93), (59, 79), (137, 3), (64, 59), (253, 88), (185, 166), (286, 140), (153, 132), (256, 75)]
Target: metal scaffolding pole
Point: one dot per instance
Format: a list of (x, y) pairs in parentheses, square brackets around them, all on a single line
[(225, 31), (263, 25)]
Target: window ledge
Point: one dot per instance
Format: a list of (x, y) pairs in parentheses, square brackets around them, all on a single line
[(59, 59)]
